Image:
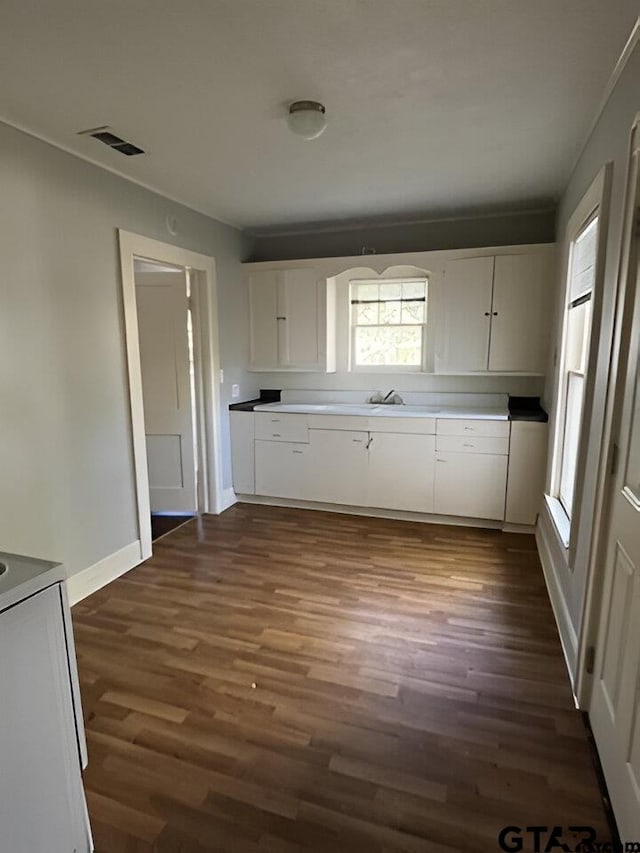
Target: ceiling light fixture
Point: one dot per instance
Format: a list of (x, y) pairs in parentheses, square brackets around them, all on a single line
[(307, 119)]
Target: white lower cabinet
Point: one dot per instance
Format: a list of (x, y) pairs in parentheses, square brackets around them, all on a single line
[(282, 469), (527, 469), (339, 465), (470, 484), (461, 470), (401, 472)]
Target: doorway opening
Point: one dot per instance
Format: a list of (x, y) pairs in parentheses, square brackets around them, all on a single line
[(167, 363), (172, 359)]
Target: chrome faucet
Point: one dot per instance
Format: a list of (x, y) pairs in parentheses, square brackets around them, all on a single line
[(390, 399)]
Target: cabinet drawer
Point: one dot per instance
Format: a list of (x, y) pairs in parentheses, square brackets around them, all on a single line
[(414, 426), (471, 443), (462, 426), (281, 427)]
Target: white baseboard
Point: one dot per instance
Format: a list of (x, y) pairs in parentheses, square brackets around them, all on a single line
[(94, 577), (548, 543), (227, 498), (372, 512)]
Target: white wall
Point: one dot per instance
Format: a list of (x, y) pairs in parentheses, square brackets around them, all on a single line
[(66, 473), (608, 142)]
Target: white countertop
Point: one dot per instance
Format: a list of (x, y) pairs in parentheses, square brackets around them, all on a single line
[(377, 410), (21, 577)]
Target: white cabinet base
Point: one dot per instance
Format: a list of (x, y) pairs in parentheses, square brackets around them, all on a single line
[(401, 472), (470, 484)]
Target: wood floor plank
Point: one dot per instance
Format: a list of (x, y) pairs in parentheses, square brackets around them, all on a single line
[(284, 680)]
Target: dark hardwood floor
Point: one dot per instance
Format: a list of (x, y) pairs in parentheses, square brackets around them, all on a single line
[(282, 680)]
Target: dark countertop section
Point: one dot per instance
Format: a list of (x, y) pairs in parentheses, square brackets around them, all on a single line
[(527, 409), (267, 395)]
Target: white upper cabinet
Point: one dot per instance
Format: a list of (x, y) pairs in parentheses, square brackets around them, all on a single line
[(464, 324), (520, 313), (292, 320), (494, 314)]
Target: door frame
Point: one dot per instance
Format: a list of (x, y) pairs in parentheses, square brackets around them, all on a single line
[(590, 622), (207, 362)]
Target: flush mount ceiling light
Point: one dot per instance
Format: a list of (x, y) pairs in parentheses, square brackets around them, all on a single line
[(307, 119)]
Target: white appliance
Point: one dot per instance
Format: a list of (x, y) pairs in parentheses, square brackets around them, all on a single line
[(42, 743)]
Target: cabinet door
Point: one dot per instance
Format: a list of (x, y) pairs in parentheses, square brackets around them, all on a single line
[(520, 313), (339, 462), (401, 471), (462, 342), (242, 452), (263, 322), (300, 303), (282, 469), (472, 485), (527, 470), (42, 804)]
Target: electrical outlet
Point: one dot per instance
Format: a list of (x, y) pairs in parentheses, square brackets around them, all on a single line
[(235, 391)]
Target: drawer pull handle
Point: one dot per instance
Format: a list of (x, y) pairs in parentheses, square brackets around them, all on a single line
[(275, 420), (275, 435), (470, 429), (468, 445), (297, 451)]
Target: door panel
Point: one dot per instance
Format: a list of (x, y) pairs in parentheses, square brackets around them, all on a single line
[(401, 472), (263, 311), (614, 708), (520, 313), (339, 463), (463, 336), (471, 485), (300, 303), (161, 300), (282, 469)]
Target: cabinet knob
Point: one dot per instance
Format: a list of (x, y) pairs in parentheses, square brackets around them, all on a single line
[(281, 318), (495, 313), (487, 313)]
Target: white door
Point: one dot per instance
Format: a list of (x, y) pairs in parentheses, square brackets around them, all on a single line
[(520, 313), (339, 463), (161, 301), (472, 485), (263, 322), (463, 335), (401, 471), (282, 469), (299, 306), (615, 701)]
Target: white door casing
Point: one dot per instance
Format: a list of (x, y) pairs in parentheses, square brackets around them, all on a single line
[(614, 707), (162, 306), (204, 302)]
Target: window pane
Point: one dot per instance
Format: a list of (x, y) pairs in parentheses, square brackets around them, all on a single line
[(575, 390), (391, 291), (390, 312), (365, 291), (386, 346), (413, 289), (413, 312), (578, 328), (365, 314), (583, 261)]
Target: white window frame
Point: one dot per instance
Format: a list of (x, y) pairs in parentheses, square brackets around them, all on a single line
[(592, 205), (389, 368)]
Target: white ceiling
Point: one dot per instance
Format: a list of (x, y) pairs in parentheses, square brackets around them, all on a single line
[(434, 106)]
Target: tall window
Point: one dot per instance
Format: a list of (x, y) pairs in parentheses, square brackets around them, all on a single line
[(577, 333), (388, 324)]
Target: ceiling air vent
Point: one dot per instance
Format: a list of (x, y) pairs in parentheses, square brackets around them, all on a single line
[(104, 134)]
